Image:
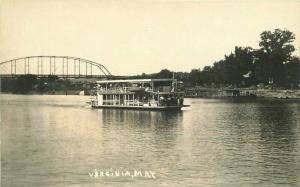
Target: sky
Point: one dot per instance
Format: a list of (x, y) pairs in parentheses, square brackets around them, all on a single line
[(141, 36)]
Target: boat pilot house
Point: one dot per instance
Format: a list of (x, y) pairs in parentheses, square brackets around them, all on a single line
[(139, 94)]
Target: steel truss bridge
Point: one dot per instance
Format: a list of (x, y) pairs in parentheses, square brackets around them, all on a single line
[(60, 66)]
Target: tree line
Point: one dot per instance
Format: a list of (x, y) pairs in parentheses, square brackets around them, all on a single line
[(271, 64)]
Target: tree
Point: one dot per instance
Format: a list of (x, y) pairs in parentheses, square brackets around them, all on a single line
[(207, 75), (276, 49), (292, 72), (194, 76), (165, 73), (231, 69), (25, 83)]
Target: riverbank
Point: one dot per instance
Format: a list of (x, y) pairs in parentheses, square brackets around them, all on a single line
[(72, 92), (241, 92), (199, 93)]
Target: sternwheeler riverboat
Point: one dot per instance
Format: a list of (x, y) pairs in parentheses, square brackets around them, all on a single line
[(147, 94)]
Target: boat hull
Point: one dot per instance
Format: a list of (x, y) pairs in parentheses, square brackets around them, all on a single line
[(158, 108)]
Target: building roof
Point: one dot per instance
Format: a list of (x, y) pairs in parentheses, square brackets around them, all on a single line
[(135, 80)]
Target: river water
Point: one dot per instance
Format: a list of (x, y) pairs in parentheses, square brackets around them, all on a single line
[(60, 141)]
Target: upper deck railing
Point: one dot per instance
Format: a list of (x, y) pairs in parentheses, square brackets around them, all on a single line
[(121, 90)]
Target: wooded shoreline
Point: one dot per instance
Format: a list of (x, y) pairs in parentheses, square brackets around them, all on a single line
[(196, 92), (241, 93)]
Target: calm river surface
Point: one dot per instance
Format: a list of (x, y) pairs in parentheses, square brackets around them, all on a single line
[(59, 140)]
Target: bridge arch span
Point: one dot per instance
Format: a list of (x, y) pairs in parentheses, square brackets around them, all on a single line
[(61, 66)]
